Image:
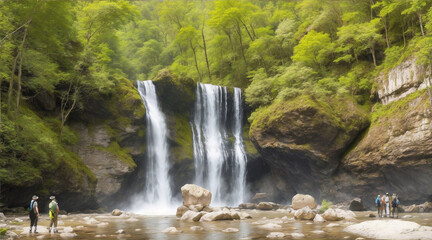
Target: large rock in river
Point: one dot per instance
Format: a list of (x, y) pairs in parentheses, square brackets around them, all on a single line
[(302, 140), (300, 201), (193, 195)]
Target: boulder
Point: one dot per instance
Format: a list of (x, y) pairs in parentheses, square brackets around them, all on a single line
[(216, 216), (304, 214), (390, 229), (260, 197), (371, 215), (244, 215), (116, 212), (120, 231), (192, 216), (300, 201), (265, 206), (2, 216), (11, 235), (337, 214), (331, 215), (318, 219), (207, 209), (196, 207), (247, 206), (356, 205), (425, 207), (181, 210), (193, 195)]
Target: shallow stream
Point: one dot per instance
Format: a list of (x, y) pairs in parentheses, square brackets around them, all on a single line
[(105, 226)]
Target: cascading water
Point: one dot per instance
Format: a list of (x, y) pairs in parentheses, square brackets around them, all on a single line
[(220, 165), (239, 152), (156, 197)]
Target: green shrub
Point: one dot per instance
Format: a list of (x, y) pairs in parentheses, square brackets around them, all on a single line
[(3, 231), (325, 205)]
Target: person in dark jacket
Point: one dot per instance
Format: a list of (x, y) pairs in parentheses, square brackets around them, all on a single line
[(378, 205), (34, 213)]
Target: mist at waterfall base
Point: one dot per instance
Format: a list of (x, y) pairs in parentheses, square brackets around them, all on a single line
[(156, 198), (219, 155)]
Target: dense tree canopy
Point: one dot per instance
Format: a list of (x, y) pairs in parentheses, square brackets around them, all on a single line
[(272, 49)]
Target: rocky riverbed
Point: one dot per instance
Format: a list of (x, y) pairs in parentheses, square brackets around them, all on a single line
[(263, 225)]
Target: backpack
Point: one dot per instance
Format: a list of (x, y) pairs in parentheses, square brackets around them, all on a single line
[(378, 202), (31, 205), (397, 202), (394, 203)]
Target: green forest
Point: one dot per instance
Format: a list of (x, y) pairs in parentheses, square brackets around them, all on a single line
[(275, 51)]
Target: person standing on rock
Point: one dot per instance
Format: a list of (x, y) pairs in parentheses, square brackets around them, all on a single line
[(34, 213), (387, 201), (378, 205), (53, 213)]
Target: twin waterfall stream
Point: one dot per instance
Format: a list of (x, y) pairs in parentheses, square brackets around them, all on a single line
[(219, 155)]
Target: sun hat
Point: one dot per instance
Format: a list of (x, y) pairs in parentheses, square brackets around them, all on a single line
[(35, 197), (52, 197)]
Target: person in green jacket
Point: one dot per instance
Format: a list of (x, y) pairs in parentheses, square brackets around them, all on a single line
[(53, 213)]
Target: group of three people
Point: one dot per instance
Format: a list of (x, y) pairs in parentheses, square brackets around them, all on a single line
[(387, 203), (34, 214)]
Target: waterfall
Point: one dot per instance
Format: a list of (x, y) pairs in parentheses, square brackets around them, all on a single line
[(220, 164), (239, 152), (156, 197)]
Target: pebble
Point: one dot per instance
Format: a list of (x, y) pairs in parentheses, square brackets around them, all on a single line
[(196, 228), (276, 235), (171, 230), (138, 229), (68, 235), (121, 231), (407, 216), (317, 231), (333, 225), (230, 230), (297, 235)]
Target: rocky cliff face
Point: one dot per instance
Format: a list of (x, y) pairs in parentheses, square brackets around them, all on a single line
[(403, 80), (396, 153), (303, 140), (321, 148)]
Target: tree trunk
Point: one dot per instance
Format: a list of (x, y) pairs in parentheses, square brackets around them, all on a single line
[(65, 113), (11, 83), (241, 43), (403, 35), (421, 24), (373, 55), (386, 32), (196, 62), (18, 94), (205, 52), (371, 9)]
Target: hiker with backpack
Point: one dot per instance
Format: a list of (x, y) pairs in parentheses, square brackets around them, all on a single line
[(378, 205), (53, 213), (34, 213), (395, 205)]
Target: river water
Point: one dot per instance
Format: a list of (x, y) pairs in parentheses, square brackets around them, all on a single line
[(105, 226)]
